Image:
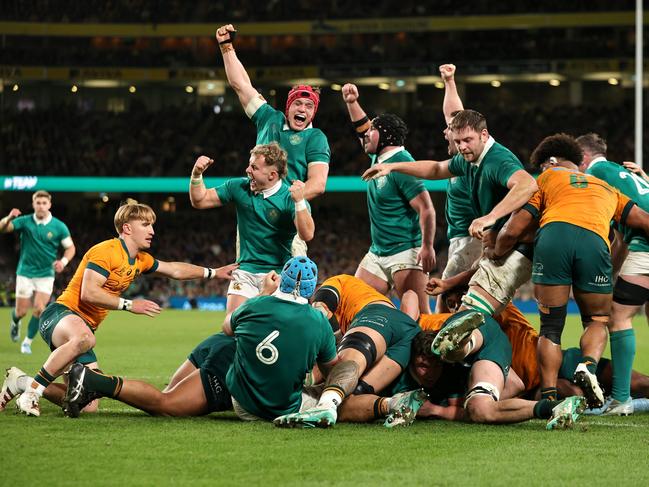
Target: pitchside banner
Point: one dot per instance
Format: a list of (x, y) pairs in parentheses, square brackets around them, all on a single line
[(344, 184)]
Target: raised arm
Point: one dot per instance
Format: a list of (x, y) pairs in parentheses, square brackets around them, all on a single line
[(5, 223), (452, 102), (420, 169), (356, 113), (316, 181), (423, 205), (237, 76), (303, 220), (522, 186), (199, 195)]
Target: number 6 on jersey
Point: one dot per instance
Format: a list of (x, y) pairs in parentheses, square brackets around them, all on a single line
[(267, 345)]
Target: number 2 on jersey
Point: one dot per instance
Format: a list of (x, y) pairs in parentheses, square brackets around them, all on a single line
[(641, 185)]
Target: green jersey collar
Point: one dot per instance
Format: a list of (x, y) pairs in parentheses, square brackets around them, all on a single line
[(44, 221), (487, 147), (131, 260), (386, 155)]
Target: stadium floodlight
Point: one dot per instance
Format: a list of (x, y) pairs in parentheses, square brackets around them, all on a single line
[(384, 86), (132, 89), (15, 87), (74, 89), (554, 82), (613, 81), (495, 83)]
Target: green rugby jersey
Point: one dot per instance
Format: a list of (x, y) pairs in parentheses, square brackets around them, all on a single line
[(266, 224), (630, 185), (303, 147), (394, 224), (39, 244), (458, 210), (488, 180), (278, 342)]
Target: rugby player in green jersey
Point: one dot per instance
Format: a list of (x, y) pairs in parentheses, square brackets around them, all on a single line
[(631, 291), (499, 185), (402, 216), (41, 235), (270, 212), (279, 338)]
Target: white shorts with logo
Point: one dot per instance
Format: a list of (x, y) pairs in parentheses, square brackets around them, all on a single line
[(309, 400), (501, 279), (26, 286), (385, 267), (246, 284), (462, 253), (635, 264)]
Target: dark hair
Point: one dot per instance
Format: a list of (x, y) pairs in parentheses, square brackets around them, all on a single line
[(422, 343), (592, 143), (558, 145), (468, 118)]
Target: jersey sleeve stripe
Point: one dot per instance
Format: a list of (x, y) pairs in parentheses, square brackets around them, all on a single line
[(625, 212), (97, 268), (532, 210), (153, 268)]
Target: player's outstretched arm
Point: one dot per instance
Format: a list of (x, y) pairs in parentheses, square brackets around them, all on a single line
[(92, 292), (237, 76), (420, 169), (508, 236), (522, 187), (201, 197), (5, 223), (303, 220), (184, 271)]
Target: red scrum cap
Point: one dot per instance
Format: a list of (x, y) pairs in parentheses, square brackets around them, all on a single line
[(303, 91)]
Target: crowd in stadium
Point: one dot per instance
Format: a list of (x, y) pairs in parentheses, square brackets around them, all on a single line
[(158, 11), (66, 139)]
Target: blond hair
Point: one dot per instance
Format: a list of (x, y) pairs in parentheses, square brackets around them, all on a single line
[(132, 210), (274, 156), (41, 194)]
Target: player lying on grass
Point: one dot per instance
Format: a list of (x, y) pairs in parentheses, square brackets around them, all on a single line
[(374, 349), (270, 212), (279, 338), (477, 340), (523, 338), (68, 325)]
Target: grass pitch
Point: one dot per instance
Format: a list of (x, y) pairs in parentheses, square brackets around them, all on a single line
[(122, 446)]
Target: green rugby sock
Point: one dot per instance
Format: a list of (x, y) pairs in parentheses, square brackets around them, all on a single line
[(543, 408), (549, 393), (622, 355), (106, 385), (591, 364), (32, 328)]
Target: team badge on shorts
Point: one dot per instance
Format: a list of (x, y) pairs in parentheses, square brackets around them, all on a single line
[(236, 286), (537, 270)]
